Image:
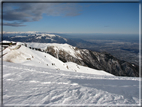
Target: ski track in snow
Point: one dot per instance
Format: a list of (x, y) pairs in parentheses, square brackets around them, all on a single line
[(37, 85)]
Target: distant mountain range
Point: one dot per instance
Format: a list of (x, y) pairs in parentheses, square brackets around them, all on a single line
[(45, 38), (41, 38)]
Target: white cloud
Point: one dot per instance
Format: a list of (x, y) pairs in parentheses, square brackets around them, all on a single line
[(28, 12)]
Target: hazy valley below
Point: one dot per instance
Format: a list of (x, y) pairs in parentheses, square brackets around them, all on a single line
[(122, 50)]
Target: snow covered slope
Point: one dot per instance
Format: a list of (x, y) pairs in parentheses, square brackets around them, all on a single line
[(21, 54), (35, 86)]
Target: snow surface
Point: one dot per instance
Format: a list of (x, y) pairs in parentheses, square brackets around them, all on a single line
[(28, 85), (30, 81)]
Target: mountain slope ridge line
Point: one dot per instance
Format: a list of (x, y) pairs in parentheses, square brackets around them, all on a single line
[(26, 56), (92, 59)]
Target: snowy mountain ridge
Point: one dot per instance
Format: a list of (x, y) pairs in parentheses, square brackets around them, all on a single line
[(48, 36), (84, 57), (51, 35), (42, 38), (21, 54), (57, 47)]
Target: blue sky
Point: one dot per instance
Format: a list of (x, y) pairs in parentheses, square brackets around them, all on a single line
[(107, 18)]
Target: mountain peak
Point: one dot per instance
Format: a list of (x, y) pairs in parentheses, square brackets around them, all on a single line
[(50, 38), (50, 35)]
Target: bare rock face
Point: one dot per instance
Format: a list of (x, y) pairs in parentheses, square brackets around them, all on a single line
[(96, 60)]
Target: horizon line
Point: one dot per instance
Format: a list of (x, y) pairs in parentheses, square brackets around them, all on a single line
[(33, 32)]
